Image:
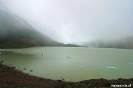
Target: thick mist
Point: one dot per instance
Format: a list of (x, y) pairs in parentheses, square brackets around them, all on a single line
[(77, 21)]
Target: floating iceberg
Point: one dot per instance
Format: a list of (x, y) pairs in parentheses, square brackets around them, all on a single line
[(130, 63), (111, 68), (81, 66)]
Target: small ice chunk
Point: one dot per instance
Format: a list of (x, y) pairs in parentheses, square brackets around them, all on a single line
[(68, 57), (43, 54), (111, 68), (130, 63), (81, 66), (100, 69)]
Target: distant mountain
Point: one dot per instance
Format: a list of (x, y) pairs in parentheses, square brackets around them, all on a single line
[(16, 32), (125, 42), (122, 43)]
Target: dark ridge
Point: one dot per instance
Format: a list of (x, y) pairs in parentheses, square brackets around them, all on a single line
[(15, 32)]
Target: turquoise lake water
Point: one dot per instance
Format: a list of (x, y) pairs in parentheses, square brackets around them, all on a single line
[(71, 63)]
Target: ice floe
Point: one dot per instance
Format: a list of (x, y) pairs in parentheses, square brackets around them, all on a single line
[(131, 63), (111, 67), (81, 66)]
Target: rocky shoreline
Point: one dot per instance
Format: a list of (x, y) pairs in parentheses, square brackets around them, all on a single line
[(12, 78)]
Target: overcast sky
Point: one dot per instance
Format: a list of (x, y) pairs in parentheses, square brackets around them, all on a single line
[(76, 20)]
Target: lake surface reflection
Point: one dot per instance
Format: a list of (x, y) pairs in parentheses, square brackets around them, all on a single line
[(71, 63)]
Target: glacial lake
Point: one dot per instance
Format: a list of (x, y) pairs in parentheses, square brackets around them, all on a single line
[(72, 63)]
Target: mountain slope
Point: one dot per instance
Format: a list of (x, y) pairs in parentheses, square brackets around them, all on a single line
[(122, 43), (15, 32), (125, 42)]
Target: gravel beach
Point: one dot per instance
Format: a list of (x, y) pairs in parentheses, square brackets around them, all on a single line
[(13, 78)]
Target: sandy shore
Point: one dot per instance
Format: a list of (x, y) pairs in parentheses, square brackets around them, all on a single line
[(12, 78)]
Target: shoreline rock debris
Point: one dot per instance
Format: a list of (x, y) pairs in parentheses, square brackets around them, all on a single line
[(18, 79)]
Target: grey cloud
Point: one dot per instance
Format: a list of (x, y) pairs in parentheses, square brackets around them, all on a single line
[(76, 20)]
